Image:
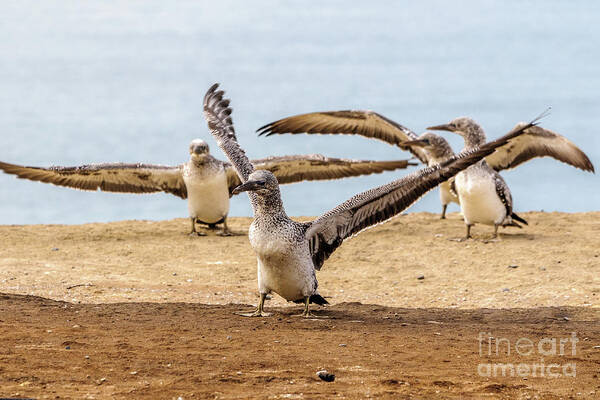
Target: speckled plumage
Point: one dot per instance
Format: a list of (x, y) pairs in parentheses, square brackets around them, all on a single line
[(534, 142), (288, 252)]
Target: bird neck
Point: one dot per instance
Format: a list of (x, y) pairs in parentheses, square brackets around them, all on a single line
[(474, 136), (267, 205)]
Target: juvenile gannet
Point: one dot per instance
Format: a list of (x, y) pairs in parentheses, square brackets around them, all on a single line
[(206, 182), (535, 142), (289, 252), (483, 194)]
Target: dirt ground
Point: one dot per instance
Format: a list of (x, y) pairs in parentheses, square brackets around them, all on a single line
[(138, 309)]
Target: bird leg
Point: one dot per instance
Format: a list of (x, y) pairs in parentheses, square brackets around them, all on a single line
[(443, 216), (306, 313), (259, 310), (194, 231), (468, 235), (226, 231)]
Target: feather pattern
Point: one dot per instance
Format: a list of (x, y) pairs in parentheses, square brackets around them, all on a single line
[(377, 205), (297, 168), (353, 122), (110, 177), (218, 117), (539, 142)]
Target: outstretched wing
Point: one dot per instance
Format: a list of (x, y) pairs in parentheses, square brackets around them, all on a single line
[(538, 142), (375, 206), (218, 116), (312, 167), (111, 177), (352, 122)]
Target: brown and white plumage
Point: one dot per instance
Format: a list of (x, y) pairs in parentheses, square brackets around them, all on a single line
[(352, 122), (430, 148), (206, 183), (538, 142), (312, 167), (110, 177), (288, 252)]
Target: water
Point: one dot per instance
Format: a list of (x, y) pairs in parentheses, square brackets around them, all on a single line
[(103, 81)]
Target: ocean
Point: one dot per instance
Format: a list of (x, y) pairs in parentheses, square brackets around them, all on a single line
[(108, 81)]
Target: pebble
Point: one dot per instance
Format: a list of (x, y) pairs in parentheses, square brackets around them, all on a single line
[(55, 249), (342, 345), (542, 268), (68, 348), (421, 277), (228, 337), (506, 290), (325, 376), (513, 266)]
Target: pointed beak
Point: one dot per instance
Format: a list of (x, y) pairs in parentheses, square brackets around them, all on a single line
[(444, 127), (245, 187), (418, 143)]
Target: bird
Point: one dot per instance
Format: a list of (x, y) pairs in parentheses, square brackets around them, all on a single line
[(428, 147), (205, 181), (289, 252), (483, 194)]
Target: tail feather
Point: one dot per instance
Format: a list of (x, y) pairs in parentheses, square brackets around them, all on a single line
[(316, 299), (517, 218)]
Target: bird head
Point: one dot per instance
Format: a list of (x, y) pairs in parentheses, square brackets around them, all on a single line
[(261, 182), (465, 127), (435, 145), (199, 149), (460, 125)]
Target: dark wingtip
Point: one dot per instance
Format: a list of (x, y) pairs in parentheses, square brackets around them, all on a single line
[(264, 129), (318, 299), (517, 218)]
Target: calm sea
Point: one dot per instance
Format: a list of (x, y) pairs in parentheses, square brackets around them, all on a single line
[(101, 81)]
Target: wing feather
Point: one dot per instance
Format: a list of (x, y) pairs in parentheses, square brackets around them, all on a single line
[(353, 122), (538, 142), (312, 167), (377, 205), (218, 117), (109, 177)]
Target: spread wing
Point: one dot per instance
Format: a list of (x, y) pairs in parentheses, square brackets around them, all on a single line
[(375, 206), (538, 142), (218, 116), (110, 177), (352, 122), (312, 167)]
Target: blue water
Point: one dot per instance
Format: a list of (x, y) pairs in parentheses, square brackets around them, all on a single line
[(101, 81)]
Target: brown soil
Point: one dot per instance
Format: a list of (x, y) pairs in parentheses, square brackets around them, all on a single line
[(137, 309)]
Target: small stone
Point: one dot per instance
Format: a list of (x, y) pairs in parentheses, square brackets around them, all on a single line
[(133, 372), (76, 326), (87, 357), (421, 277), (189, 280), (55, 249), (513, 266), (68, 348), (542, 268), (174, 273), (597, 347), (228, 337), (506, 290), (566, 318), (325, 376), (342, 345)]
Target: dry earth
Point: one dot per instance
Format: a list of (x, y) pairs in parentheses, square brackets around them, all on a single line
[(138, 309)]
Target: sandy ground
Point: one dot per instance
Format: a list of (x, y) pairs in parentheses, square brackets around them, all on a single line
[(139, 309)]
